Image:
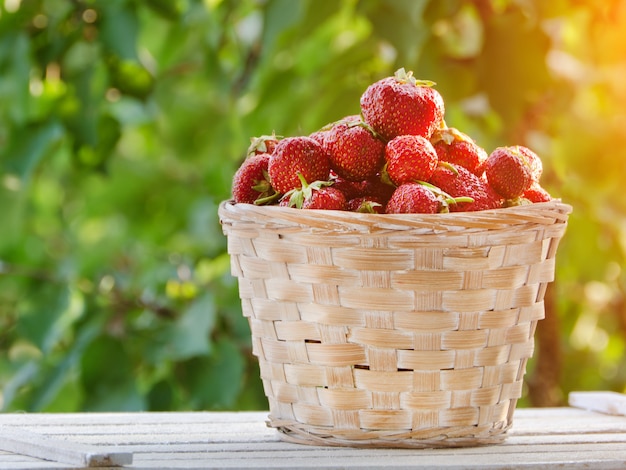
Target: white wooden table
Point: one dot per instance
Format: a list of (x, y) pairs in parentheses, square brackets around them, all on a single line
[(561, 437)]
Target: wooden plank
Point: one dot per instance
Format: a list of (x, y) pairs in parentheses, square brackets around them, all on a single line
[(343, 452), (163, 428), (541, 421), (580, 440), (44, 447), (525, 423), (511, 462), (163, 417), (559, 437), (565, 457), (612, 403)]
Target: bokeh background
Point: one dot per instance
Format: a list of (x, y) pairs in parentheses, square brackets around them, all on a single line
[(123, 121)]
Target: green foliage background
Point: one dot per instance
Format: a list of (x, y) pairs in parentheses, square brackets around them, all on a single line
[(123, 121)]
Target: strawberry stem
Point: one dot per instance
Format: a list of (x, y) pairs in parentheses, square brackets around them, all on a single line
[(458, 200), (384, 176), (297, 196), (449, 166), (445, 197), (267, 199)]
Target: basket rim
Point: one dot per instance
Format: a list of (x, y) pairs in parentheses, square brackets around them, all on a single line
[(541, 213), (556, 204)]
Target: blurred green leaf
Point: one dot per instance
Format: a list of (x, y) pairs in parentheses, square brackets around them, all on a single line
[(12, 389), (108, 377), (14, 74), (401, 24), (512, 67), (216, 381), (191, 333), (45, 318), (169, 9), (28, 146), (119, 28), (59, 387), (161, 396), (280, 17), (131, 78)]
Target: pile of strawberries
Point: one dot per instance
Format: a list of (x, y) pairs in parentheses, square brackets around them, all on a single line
[(397, 156)]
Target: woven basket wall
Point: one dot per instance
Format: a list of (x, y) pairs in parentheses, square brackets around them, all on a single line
[(393, 330)]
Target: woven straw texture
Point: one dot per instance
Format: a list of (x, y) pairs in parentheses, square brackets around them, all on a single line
[(393, 330)]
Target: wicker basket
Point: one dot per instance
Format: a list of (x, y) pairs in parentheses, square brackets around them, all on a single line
[(393, 330)]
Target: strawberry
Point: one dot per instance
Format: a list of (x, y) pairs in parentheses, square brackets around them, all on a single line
[(327, 198), (350, 189), (401, 105), (510, 170), (263, 144), (458, 182), (410, 158), (376, 188), (317, 195), (355, 153), (534, 162), (297, 155), (367, 204), (251, 181), (372, 187), (537, 194), (320, 136), (456, 147), (413, 198)]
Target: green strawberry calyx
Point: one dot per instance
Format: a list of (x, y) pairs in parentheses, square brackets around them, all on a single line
[(402, 76), (269, 199), (263, 186), (365, 126), (449, 135), (368, 207), (267, 194), (385, 178), (258, 144), (518, 201), (297, 196), (445, 198)]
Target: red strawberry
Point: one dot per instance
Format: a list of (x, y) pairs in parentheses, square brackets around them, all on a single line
[(297, 155), (263, 144), (537, 194), (458, 182), (533, 160), (251, 181), (355, 153), (372, 187), (456, 147), (510, 171), (320, 136), (350, 189), (413, 198), (327, 198), (410, 158), (401, 105), (367, 204), (375, 187), (317, 195)]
